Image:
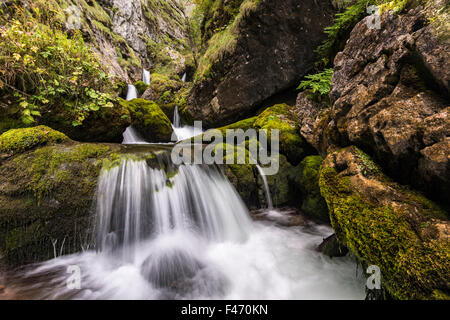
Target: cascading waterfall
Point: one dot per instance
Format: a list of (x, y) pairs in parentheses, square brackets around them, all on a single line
[(146, 76), (176, 118), (132, 92), (183, 78), (266, 188), (182, 232)]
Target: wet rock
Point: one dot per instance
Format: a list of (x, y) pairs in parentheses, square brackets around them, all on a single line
[(38, 204), (388, 225), (332, 248)]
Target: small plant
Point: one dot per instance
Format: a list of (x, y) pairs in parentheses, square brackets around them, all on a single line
[(319, 83), (42, 69)]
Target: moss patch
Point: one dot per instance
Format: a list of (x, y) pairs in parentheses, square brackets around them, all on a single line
[(281, 117), (149, 120), (313, 203), (19, 140), (385, 224)]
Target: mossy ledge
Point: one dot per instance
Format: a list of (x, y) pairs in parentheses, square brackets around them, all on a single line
[(19, 140), (47, 194), (388, 225)]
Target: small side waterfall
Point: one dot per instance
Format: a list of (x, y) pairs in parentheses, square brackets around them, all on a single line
[(132, 92), (266, 188), (146, 76), (183, 78), (131, 136), (176, 118)]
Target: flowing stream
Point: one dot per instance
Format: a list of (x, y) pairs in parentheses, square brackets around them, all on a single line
[(183, 132), (182, 232)]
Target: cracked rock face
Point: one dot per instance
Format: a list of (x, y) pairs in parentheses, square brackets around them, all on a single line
[(128, 21), (390, 95)]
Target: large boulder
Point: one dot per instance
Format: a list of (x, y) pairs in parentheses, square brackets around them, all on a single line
[(267, 48), (388, 225), (390, 95), (105, 125), (149, 120), (38, 206)]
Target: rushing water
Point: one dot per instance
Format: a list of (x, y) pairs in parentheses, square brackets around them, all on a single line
[(132, 92), (146, 76), (184, 233), (183, 132), (266, 188)]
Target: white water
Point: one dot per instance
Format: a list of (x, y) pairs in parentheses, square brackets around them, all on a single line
[(131, 136), (183, 78), (132, 92), (183, 132), (190, 236), (146, 76), (266, 188)]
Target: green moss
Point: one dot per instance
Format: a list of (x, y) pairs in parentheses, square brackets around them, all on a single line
[(45, 168), (150, 121), (281, 117), (20, 140), (141, 87), (313, 203), (381, 231)]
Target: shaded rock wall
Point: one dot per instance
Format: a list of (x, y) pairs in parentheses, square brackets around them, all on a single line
[(274, 49)]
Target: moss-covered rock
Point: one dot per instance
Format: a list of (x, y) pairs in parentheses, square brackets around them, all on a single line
[(388, 225), (46, 195), (168, 93), (141, 87), (149, 120), (332, 248), (312, 202), (20, 140), (282, 117), (105, 125)]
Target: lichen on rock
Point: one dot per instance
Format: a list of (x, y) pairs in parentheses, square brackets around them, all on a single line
[(388, 225)]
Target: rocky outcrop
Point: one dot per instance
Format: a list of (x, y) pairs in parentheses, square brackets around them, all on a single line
[(388, 225), (47, 189), (269, 47), (390, 95)]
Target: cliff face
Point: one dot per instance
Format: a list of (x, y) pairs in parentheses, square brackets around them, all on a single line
[(390, 94), (268, 48), (127, 34)]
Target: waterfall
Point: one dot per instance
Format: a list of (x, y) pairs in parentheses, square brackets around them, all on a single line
[(176, 118), (132, 92), (136, 202), (131, 136), (182, 232), (266, 188), (146, 76), (183, 78), (183, 132)]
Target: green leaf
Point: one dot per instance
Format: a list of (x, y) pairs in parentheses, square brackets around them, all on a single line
[(75, 123)]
